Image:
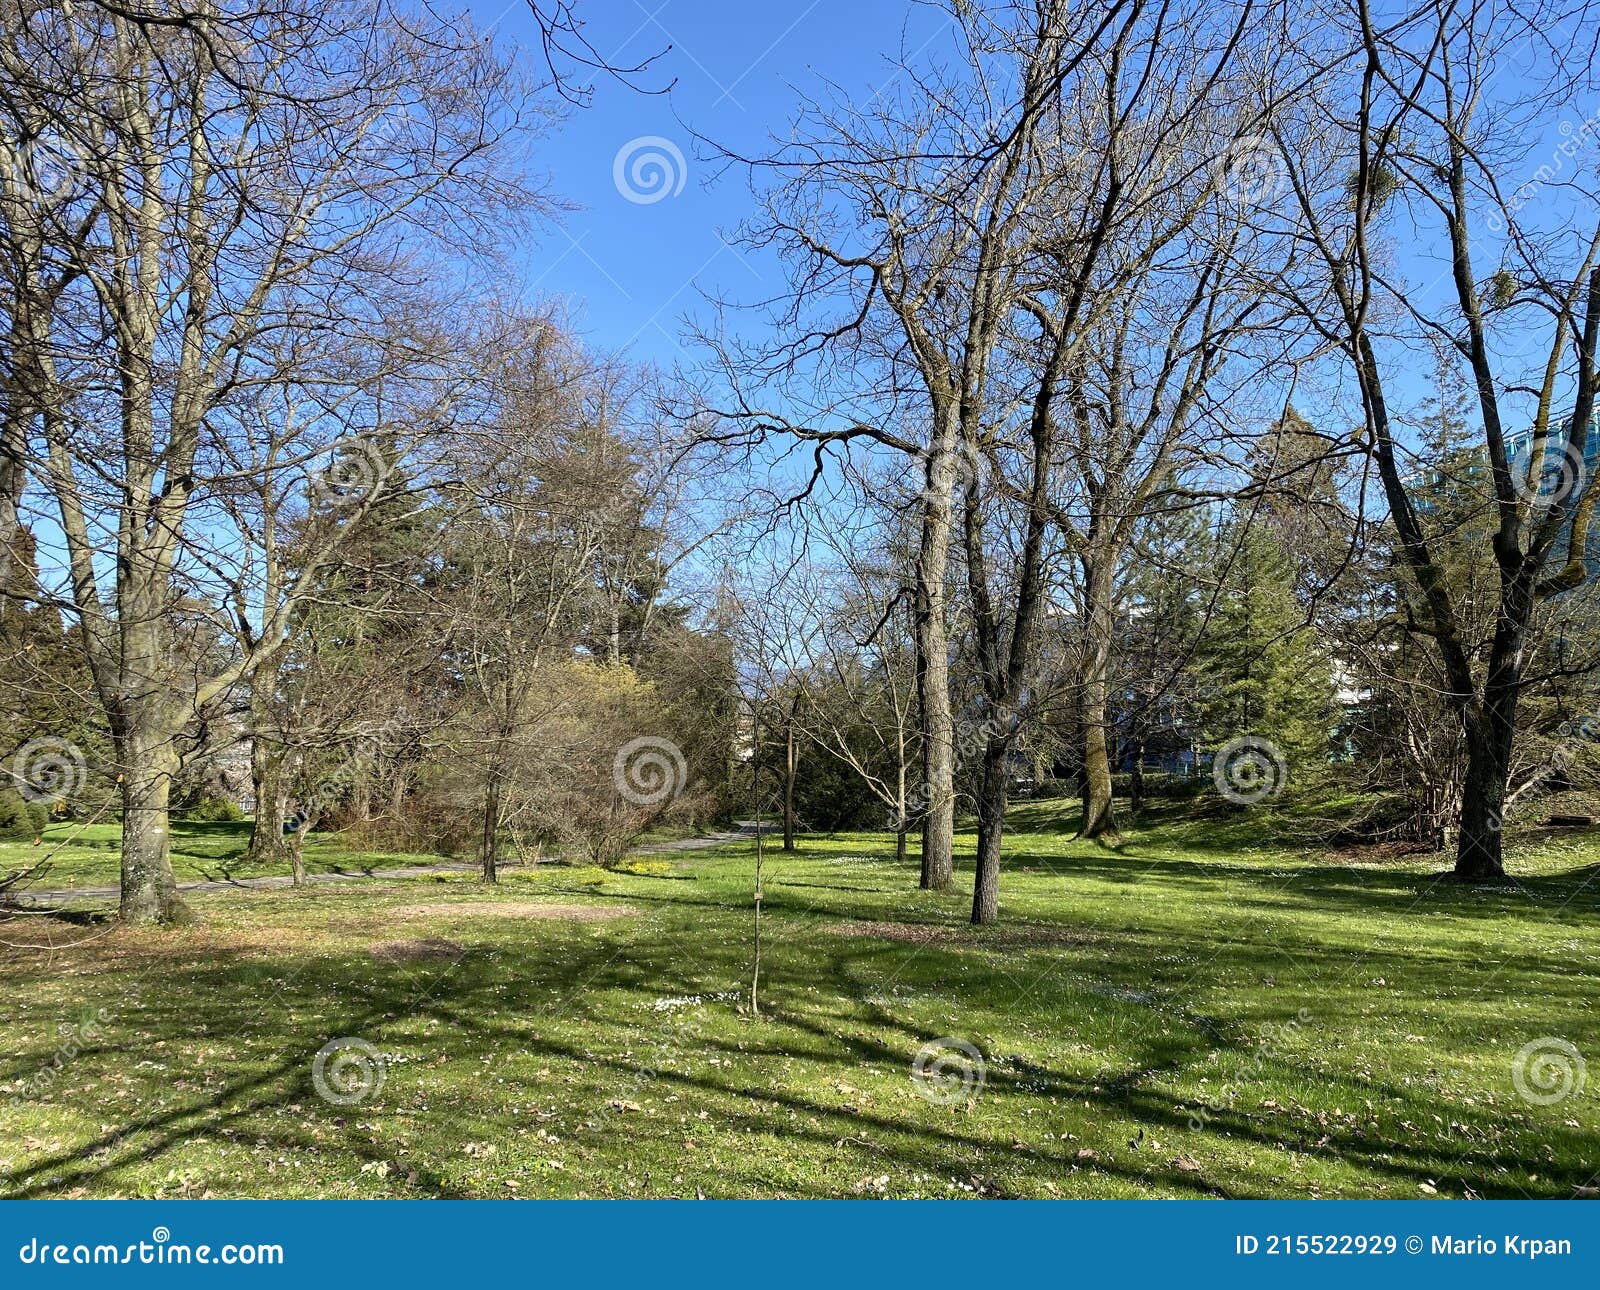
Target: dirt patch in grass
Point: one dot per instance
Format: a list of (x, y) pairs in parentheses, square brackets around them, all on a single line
[(1378, 852), (432, 949), (943, 934), (517, 909)]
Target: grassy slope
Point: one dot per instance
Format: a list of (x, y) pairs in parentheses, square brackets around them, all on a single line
[(1130, 1009)]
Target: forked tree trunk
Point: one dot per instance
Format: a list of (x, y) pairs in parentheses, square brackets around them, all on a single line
[(933, 670), (991, 830)]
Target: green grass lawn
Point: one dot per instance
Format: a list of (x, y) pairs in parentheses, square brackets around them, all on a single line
[(1197, 1013), (88, 855)]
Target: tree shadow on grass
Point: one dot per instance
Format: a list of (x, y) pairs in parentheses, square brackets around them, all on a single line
[(586, 998)]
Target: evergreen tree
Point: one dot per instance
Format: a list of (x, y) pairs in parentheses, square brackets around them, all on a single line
[(1261, 670)]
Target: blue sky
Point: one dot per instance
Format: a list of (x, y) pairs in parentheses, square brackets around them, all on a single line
[(629, 269)]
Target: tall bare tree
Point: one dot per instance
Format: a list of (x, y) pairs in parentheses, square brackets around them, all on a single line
[(240, 177), (1440, 100)]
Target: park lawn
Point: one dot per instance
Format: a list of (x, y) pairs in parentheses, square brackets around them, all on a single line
[(88, 855), (1201, 1012)]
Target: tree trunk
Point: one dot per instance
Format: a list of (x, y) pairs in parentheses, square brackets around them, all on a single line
[(991, 828), (490, 847), (933, 670), (297, 853), (1490, 734), (790, 766), (1136, 783), (149, 890), (900, 807), (1098, 818), (1478, 854), (1489, 741), (266, 831)]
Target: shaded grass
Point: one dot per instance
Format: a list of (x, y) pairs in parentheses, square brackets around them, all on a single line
[(1200, 1011)]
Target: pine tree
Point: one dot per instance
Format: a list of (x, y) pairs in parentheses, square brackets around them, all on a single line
[(1261, 671)]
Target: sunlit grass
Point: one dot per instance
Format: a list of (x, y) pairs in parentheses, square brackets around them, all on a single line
[(1202, 1011)]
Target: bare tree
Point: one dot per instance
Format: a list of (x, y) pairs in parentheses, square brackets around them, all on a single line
[(901, 219), (233, 180), (1439, 98)]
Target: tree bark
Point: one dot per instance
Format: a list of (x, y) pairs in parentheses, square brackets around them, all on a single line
[(149, 890), (933, 671), (489, 849), (790, 768), (266, 830), (991, 829), (1490, 735), (297, 853), (1099, 819)]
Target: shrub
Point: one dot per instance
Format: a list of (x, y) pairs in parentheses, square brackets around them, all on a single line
[(20, 819), (214, 810)]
